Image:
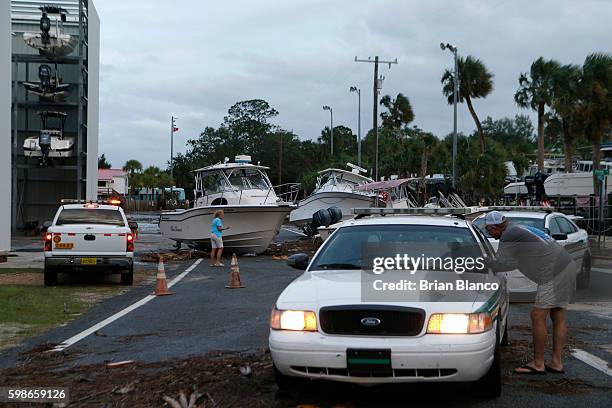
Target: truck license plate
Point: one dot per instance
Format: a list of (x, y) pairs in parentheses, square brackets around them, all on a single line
[(64, 245), (88, 261)]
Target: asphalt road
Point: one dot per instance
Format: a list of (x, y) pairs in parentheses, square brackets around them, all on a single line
[(204, 316)]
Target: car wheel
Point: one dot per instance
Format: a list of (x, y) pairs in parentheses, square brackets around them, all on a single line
[(50, 276), (127, 277), (584, 277), (490, 385), (285, 382)]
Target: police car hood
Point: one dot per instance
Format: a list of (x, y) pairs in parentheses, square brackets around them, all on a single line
[(317, 289)]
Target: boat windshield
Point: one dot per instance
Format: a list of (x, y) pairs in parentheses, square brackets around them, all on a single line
[(247, 179), (214, 183)]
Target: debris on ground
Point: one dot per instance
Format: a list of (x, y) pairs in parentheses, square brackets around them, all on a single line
[(181, 255), (288, 247)]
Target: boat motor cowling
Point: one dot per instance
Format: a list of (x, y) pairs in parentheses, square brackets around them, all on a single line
[(44, 141), (44, 74), (45, 26)]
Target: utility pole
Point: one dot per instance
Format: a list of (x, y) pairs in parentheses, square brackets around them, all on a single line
[(173, 129), (358, 91), (280, 160), (377, 87), (453, 49)]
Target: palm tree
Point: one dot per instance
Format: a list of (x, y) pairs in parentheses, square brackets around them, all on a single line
[(535, 92), (594, 108), (475, 81), (132, 168), (564, 98), (399, 111)]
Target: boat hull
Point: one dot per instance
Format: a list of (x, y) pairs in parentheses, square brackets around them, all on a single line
[(252, 227), (572, 184), (346, 201), (58, 46)]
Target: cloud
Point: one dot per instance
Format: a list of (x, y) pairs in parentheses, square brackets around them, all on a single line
[(194, 59)]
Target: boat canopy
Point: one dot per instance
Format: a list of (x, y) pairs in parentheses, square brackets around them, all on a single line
[(226, 166), (383, 185), (346, 175)]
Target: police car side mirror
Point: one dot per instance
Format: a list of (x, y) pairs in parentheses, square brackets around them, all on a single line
[(298, 261), (559, 237)]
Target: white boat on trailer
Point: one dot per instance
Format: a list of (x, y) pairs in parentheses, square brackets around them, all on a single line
[(252, 207), (335, 188)]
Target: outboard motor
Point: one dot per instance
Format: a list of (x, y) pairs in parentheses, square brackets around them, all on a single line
[(335, 213), (44, 74), (45, 26), (44, 141)]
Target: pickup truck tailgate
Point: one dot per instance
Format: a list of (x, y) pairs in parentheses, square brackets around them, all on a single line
[(81, 240)]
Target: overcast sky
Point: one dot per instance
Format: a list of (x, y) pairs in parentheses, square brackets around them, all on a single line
[(195, 58)]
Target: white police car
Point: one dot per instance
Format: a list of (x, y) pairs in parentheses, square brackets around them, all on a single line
[(560, 227), (321, 326)]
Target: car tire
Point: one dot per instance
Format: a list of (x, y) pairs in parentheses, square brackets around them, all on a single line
[(50, 275), (285, 382), (490, 385), (584, 277), (127, 277)]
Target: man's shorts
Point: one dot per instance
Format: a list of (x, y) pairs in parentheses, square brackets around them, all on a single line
[(559, 292), (216, 242)]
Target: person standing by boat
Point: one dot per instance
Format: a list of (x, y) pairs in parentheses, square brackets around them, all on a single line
[(216, 238)]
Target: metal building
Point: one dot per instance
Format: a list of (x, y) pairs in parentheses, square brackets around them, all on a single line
[(39, 178), (5, 128)]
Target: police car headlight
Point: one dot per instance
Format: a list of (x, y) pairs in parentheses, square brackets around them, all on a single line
[(296, 320), (459, 323)]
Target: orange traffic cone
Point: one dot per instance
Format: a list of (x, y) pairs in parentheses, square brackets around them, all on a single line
[(161, 287), (234, 277)]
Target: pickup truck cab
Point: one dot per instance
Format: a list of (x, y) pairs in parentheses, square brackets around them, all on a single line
[(88, 237)]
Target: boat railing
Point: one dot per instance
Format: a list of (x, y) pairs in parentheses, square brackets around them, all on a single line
[(287, 192)]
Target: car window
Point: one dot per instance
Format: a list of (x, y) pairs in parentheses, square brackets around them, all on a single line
[(485, 242), (526, 221), (90, 216), (565, 226), (344, 248), (553, 226)]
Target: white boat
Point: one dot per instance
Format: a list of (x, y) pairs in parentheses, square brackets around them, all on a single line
[(51, 41), (580, 182), (392, 193), (251, 205), (335, 188), (50, 142)]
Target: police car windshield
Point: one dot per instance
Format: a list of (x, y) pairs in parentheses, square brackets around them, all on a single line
[(526, 221), (90, 216), (347, 248)]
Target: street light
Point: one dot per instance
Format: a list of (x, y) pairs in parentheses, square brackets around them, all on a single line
[(355, 89), (331, 113), (453, 49)]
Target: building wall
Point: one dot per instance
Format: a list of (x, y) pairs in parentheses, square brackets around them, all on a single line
[(5, 126), (37, 192), (93, 111)]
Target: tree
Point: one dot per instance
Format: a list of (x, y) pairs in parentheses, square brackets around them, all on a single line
[(132, 168), (594, 108), (565, 81), (399, 112), (103, 163), (535, 92), (248, 123), (475, 81)]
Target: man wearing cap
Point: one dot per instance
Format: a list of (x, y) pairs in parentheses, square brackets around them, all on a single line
[(541, 259)]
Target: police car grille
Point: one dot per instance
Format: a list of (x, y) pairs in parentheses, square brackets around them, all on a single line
[(354, 319)]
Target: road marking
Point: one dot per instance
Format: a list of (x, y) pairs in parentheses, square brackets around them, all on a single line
[(80, 336), (592, 360), (608, 271)]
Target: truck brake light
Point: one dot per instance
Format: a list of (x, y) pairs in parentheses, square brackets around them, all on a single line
[(48, 237), (130, 242)]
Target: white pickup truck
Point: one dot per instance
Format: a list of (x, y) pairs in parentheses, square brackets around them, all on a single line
[(87, 237)]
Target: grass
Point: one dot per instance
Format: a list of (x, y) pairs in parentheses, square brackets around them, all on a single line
[(31, 310), (20, 270)]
